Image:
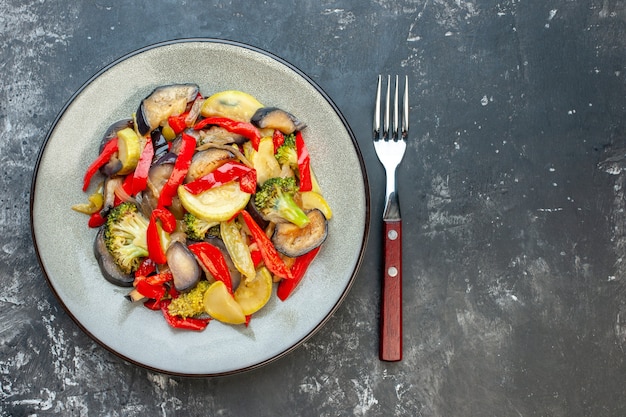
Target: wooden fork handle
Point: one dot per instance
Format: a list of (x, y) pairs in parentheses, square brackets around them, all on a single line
[(391, 302)]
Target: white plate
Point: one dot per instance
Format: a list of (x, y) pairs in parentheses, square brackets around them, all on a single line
[(64, 242)]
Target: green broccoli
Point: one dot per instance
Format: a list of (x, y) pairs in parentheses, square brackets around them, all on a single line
[(197, 229), (286, 153), (191, 303), (125, 236), (275, 201)]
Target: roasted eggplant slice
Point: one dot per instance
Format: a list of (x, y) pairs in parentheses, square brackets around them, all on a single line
[(114, 165), (107, 264), (207, 161), (275, 118), (162, 103), (184, 267), (294, 241)]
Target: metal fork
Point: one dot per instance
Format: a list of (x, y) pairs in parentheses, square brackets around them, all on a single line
[(390, 144)]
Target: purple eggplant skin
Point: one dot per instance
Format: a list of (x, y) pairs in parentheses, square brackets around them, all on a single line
[(114, 165), (109, 268), (163, 102), (159, 143), (184, 267), (275, 118)]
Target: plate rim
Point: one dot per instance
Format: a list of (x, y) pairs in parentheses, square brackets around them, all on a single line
[(317, 88)]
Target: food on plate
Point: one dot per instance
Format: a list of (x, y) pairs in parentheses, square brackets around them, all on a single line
[(202, 206)]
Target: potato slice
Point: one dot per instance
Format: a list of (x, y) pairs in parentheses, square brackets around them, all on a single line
[(253, 295), (221, 305)]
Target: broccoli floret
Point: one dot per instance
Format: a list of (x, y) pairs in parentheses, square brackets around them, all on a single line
[(275, 200), (196, 228), (125, 236), (191, 303), (286, 153)]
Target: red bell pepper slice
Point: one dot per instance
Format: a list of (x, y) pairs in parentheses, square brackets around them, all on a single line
[(179, 172), (96, 220), (248, 130), (177, 322), (213, 260), (168, 222), (304, 164), (160, 279), (270, 255), (278, 138), (123, 193), (140, 176), (153, 304), (178, 123), (148, 290), (225, 173), (146, 267), (300, 266), (109, 149)]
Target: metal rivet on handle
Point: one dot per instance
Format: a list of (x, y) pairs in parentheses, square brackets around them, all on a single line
[(392, 235), (392, 271)]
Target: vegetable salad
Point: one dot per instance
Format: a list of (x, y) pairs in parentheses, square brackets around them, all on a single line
[(203, 204)]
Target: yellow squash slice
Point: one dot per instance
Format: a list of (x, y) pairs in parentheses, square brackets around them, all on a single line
[(253, 295), (220, 304), (216, 204)]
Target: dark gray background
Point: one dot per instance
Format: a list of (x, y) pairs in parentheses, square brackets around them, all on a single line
[(512, 192)]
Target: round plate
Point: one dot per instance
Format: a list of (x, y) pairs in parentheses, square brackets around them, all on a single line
[(64, 242)]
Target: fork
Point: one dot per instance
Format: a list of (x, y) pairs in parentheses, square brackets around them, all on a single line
[(390, 145)]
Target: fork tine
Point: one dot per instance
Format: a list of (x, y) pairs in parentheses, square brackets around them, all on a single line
[(387, 101), (405, 108), (396, 126), (377, 110)]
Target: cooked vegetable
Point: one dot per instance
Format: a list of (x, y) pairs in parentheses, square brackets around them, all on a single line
[(294, 154), (254, 294), (125, 236), (179, 172), (185, 269), (190, 304), (216, 204), (311, 200), (295, 241), (286, 153), (237, 248), (207, 161), (162, 103), (129, 150), (107, 152), (196, 228), (248, 130), (185, 323), (162, 223), (275, 118), (270, 255), (214, 262), (220, 304), (107, 264), (263, 160), (275, 201), (233, 104), (113, 166)]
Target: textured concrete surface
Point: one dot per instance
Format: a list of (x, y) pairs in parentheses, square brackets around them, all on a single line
[(512, 194)]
